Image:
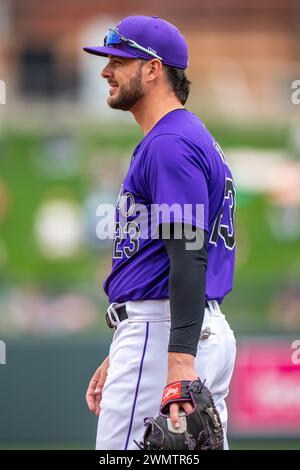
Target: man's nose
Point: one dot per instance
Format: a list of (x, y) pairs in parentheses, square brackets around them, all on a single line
[(106, 72)]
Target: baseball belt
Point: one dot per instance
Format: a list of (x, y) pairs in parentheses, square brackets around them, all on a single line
[(117, 313)]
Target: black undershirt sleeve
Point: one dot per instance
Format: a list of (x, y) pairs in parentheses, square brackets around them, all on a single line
[(187, 282)]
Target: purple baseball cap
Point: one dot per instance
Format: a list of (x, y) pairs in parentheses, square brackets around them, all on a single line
[(154, 36)]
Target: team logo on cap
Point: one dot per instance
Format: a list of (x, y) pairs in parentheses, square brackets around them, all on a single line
[(152, 50)]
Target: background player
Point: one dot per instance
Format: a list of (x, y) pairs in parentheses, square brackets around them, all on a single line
[(164, 297)]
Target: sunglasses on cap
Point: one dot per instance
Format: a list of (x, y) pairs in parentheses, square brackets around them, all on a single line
[(113, 38)]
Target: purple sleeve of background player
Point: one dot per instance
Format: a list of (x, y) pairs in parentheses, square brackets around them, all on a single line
[(176, 174)]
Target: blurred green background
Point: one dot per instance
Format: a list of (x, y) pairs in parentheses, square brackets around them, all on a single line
[(62, 153)]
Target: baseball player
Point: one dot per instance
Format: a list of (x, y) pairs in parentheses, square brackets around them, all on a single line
[(164, 290)]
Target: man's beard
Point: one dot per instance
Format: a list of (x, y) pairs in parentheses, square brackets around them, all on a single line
[(128, 94)]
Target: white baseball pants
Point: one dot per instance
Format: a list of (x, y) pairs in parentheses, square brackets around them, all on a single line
[(137, 372)]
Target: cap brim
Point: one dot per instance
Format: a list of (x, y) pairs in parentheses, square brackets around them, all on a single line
[(106, 51)]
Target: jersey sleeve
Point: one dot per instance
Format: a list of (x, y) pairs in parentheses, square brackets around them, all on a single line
[(176, 179)]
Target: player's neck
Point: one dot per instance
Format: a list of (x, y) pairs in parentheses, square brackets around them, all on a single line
[(148, 111)]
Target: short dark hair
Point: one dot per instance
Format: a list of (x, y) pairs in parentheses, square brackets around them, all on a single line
[(179, 82)]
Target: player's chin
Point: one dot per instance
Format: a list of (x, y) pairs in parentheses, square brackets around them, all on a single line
[(116, 103), (112, 102)]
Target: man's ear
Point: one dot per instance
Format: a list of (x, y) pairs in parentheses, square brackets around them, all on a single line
[(153, 69)]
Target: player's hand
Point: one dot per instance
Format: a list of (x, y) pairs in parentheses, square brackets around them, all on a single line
[(180, 367), (94, 391)]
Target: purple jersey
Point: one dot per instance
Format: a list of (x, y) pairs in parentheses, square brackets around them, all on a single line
[(177, 163)]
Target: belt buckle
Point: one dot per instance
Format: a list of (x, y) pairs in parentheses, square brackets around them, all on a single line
[(111, 316), (110, 325)]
